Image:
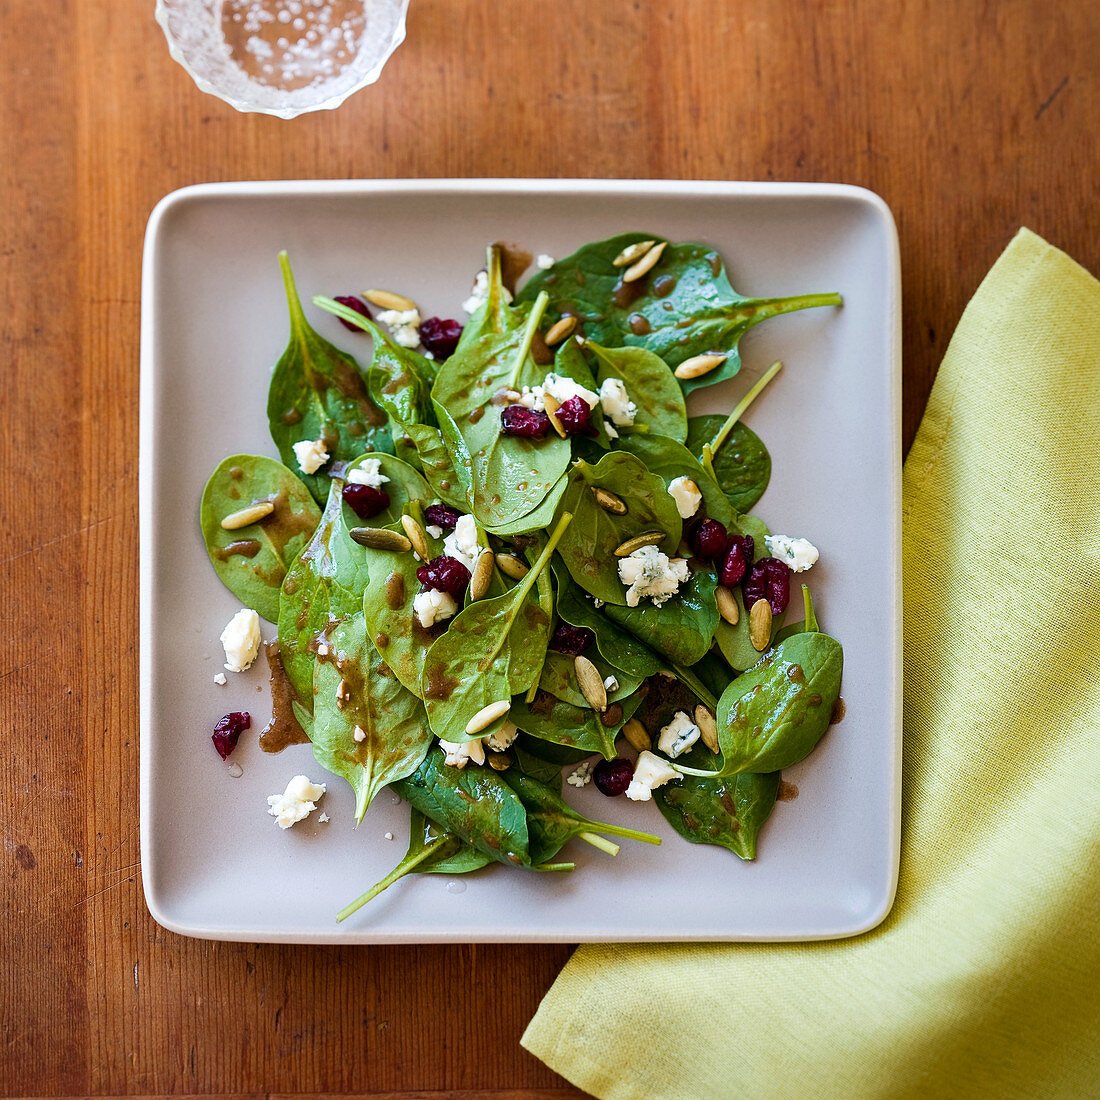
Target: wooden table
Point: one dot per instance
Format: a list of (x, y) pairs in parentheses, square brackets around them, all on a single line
[(969, 118)]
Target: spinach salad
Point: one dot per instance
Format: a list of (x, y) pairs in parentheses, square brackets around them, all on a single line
[(515, 551)]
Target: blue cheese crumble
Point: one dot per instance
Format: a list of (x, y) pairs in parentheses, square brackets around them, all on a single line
[(651, 574), (678, 736), (241, 640), (687, 496), (616, 404), (459, 753), (311, 454), (649, 772), (797, 554), (404, 326), (368, 473), (296, 803), (581, 775)]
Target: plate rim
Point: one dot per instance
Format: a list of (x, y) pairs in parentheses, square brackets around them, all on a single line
[(520, 186)]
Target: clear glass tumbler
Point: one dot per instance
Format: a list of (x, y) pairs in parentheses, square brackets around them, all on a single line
[(282, 57)]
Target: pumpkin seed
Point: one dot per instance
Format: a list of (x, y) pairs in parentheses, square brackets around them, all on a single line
[(645, 264), (511, 566), (487, 716), (760, 625), (252, 514), (699, 365), (646, 538), (417, 537), (708, 727), (386, 299), (378, 538), (551, 405), (590, 682), (499, 761), (637, 735), (727, 604), (482, 575), (632, 252), (608, 501), (560, 330)]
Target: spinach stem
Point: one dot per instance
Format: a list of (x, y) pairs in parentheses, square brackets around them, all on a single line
[(763, 308), (297, 317), (529, 331), (528, 582), (599, 842), (808, 604), (349, 315), (724, 431), (521, 591), (554, 867), (685, 675), (619, 830), (402, 869)]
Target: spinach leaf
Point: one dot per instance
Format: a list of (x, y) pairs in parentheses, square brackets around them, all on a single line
[(495, 316), (651, 386), (491, 650), (510, 475), (552, 822), (728, 812), (404, 485), (530, 756), (559, 678), (570, 362), (399, 379), (553, 721), (540, 518), (742, 465), (684, 307), (367, 728), (318, 392), (734, 641), (474, 804), (714, 674), (618, 647), (252, 561), (683, 627), (304, 602), (432, 850), (774, 714), (436, 465), (669, 459), (588, 547), (423, 832), (391, 622)]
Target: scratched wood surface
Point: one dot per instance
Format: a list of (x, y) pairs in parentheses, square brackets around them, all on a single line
[(970, 118)]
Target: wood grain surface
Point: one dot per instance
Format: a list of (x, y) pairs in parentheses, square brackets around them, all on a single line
[(970, 118)]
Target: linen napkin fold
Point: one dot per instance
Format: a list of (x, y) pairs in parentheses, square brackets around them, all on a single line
[(985, 978)]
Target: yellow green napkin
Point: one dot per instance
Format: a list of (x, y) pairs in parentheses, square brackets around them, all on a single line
[(985, 978)]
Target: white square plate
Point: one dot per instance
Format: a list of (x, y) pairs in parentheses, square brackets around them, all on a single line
[(214, 323)]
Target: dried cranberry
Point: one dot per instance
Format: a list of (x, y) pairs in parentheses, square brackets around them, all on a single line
[(708, 539), (440, 336), (574, 415), (612, 777), (571, 639), (352, 302), (446, 574), (738, 558), (366, 501), (770, 580), (228, 730), (442, 515), (520, 420)]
